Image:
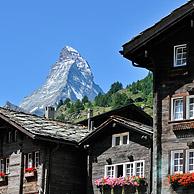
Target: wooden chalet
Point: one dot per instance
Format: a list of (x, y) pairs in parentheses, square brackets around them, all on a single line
[(119, 147), (167, 49), (40, 156)]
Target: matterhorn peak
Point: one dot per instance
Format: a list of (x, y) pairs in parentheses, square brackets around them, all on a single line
[(70, 77)]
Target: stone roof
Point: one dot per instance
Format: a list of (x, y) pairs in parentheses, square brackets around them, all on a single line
[(133, 124), (39, 127), (128, 123)]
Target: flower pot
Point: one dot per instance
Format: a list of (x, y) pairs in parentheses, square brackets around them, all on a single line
[(106, 190), (128, 189), (117, 190), (183, 190), (2, 178), (142, 189), (29, 174)]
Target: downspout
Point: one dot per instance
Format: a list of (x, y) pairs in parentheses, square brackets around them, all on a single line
[(21, 171), (44, 174), (89, 168)]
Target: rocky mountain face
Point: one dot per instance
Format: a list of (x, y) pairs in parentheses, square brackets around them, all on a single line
[(70, 77)]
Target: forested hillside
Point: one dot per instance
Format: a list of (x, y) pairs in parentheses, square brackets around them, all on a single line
[(139, 93)]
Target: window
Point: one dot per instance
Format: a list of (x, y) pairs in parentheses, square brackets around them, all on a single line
[(190, 107), (36, 159), (177, 161), (4, 165), (135, 168), (190, 161), (110, 171), (120, 139), (182, 161), (180, 55), (177, 109), (12, 136), (32, 159)]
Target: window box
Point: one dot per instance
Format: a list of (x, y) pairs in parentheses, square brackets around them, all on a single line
[(182, 181), (2, 176), (3, 179), (30, 172), (122, 185)]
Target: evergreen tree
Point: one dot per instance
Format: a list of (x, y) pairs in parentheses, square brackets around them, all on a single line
[(115, 87), (85, 100)]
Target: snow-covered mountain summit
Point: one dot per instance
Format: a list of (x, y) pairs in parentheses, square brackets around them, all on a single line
[(70, 77)]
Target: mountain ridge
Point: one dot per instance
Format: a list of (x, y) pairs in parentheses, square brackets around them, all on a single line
[(70, 77)]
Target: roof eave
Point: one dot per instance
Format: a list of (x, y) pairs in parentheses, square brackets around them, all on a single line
[(20, 128), (129, 48)]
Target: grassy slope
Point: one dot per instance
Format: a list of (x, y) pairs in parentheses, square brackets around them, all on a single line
[(140, 92)]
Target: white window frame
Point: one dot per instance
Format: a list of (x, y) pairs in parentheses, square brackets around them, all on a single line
[(173, 109), (121, 135), (187, 160), (182, 46), (188, 107), (125, 168), (172, 161), (36, 159), (30, 160), (112, 170), (2, 167), (7, 162)]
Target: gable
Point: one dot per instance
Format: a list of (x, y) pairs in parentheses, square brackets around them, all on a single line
[(137, 48), (116, 125)]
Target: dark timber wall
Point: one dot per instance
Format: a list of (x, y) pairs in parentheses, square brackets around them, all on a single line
[(169, 82), (101, 149), (62, 168)]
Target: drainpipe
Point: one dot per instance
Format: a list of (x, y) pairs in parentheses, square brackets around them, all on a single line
[(90, 115), (44, 174), (21, 171)]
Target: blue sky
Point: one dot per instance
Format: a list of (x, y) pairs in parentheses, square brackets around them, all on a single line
[(33, 32)]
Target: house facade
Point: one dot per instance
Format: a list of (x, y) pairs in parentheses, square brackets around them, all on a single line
[(40, 156), (167, 49), (119, 147)]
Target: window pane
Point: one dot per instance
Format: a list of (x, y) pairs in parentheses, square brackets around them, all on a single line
[(191, 161), (119, 171), (177, 162), (117, 141), (30, 161), (139, 169), (178, 109), (180, 55), (125, 139), (129, 169), (110, 171)]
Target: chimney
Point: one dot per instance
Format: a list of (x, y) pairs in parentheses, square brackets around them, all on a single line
[(49, 112), (90, 115)]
